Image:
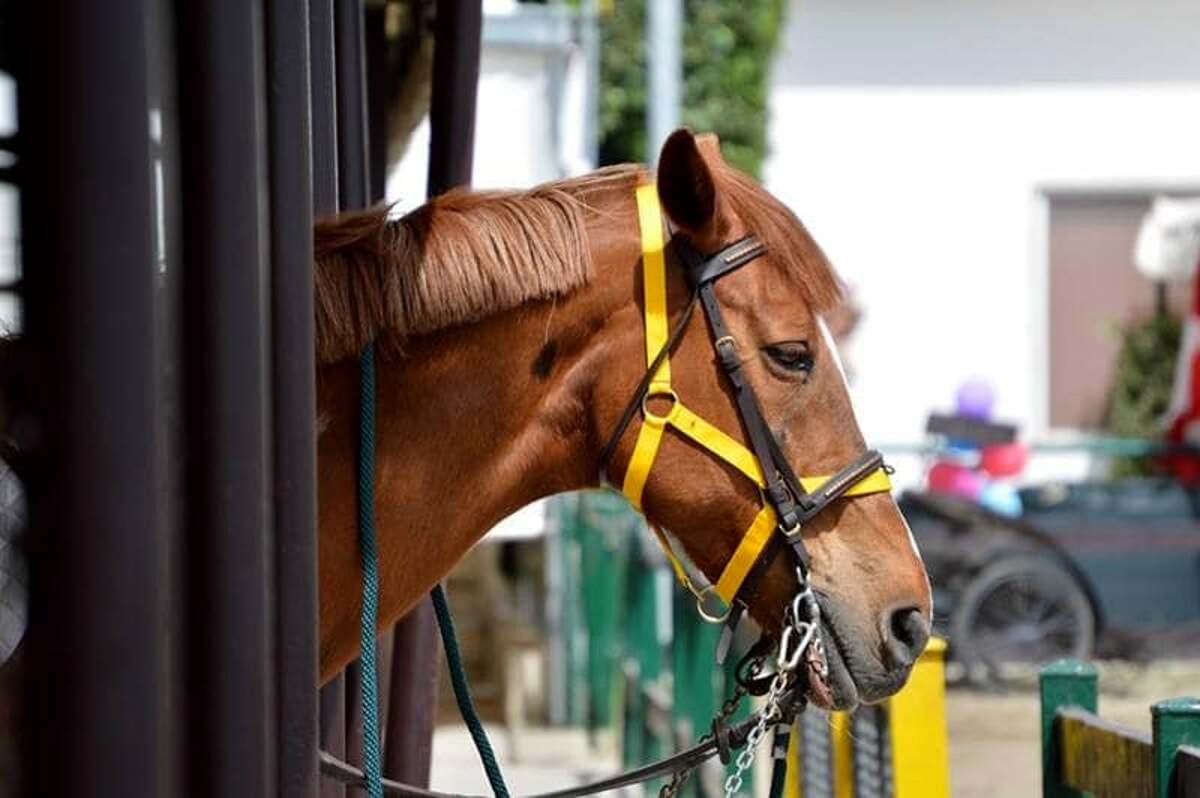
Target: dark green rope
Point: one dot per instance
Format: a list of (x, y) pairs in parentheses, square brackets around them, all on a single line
[(462, 693), (372, 766), (369, 683)]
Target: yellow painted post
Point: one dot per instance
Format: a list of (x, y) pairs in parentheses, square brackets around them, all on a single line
[(842, 754), (794, 776), (917, 723)]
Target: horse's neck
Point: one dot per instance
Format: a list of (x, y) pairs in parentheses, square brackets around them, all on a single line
[(472, 424)]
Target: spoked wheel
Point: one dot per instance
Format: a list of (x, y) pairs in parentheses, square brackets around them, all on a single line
[(1021, 611)]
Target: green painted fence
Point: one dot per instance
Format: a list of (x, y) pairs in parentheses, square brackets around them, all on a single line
[(640, 660), (1084, 754)]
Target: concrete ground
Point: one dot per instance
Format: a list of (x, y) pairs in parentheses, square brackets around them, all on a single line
[(535, 760)]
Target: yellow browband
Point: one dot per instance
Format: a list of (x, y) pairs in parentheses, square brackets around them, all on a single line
[(732, 451)]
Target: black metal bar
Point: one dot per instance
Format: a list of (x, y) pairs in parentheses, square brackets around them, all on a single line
[(375, 38), (413, 697), (452, 136), (350, 103), (225, 237), (349, 55), (97, 642), (294, 396), (455, 83), (332, 699), (324, 109)]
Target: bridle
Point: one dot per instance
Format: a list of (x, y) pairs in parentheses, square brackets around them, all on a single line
[(788, 501)]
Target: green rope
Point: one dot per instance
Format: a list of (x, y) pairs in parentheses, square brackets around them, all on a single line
[(369, 683), (462, 693), (372, 768)]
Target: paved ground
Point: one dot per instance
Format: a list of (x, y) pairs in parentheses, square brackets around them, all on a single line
[(538, 760), (994, 737)]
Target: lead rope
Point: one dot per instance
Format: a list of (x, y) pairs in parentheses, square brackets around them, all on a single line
[(462, 694), (368, 683)]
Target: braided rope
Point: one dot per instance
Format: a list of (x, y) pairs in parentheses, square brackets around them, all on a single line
[(369, 683), (462, 694)]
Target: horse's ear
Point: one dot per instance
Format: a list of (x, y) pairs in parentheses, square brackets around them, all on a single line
[(686, 186), (709, 145)]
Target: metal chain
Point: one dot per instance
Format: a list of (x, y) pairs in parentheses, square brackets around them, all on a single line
[(767, 715), (801, 622), (672, 787)]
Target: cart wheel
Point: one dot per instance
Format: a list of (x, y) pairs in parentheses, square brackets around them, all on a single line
[(1019, 611)]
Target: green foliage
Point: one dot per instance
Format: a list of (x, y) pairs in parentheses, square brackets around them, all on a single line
[(727, 51), (1142, 388)]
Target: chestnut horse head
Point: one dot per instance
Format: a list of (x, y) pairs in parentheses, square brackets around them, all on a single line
[(536, 342)]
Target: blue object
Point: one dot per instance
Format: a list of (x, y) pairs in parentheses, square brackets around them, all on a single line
[(1001, 498)]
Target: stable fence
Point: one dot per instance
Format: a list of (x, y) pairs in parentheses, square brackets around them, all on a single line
[(1084, 753)]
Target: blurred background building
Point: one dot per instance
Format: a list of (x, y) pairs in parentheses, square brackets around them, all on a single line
[(977, 171)]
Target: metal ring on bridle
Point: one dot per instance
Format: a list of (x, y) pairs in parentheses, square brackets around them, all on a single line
[(647, 413), (712, 608)]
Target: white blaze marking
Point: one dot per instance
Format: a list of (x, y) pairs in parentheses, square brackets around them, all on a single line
[(831, 344), (837, 358)]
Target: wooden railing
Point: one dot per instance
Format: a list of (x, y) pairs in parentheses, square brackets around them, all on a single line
[(1083, 753)]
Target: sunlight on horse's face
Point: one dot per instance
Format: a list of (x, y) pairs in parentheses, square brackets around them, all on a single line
[(871, 583)]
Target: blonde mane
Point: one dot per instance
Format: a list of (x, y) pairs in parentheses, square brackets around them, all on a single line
[(457, 259)]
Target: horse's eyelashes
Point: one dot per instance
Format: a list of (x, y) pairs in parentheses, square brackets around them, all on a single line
[(792, 356)]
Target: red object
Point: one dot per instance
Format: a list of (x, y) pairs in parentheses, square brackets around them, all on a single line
[(1183, 413), (955, 479), (1004, 459)]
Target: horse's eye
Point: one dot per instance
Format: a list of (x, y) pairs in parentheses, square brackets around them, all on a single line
[(791, 355)]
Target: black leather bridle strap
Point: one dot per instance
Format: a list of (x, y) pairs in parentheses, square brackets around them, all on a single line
[(783, 489), (723, 740), (837, 485), (635, 403)]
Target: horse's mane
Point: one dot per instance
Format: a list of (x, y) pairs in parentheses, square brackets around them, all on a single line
[(458, 258), (466, 255)]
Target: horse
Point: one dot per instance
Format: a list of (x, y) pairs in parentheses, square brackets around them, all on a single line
[(515, 345)]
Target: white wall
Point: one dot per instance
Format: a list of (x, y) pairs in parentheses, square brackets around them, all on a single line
[(916, 138), (529, 124)]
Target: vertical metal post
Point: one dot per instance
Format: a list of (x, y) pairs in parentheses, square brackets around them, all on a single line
[(351, 99), (97, 643), (1063, 683), (294, 378), (455, 84), (324, 107), (664, 72), (225, 237), (332, 727), (452, 136), (1176, 722), (917, 729)]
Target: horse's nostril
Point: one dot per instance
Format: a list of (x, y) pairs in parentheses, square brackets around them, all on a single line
[(908, 634)]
